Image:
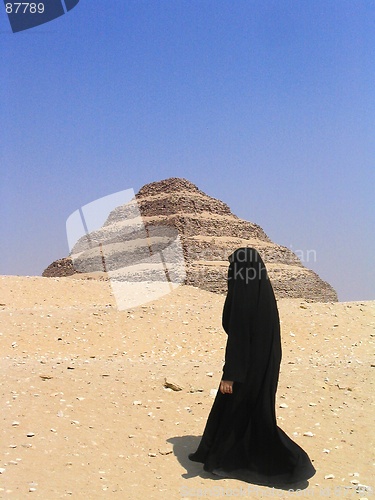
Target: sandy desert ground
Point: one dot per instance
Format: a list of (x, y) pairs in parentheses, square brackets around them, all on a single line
[(85, 413)]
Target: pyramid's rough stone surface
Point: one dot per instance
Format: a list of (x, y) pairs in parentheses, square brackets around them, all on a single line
[(61, 267), (208, 233)]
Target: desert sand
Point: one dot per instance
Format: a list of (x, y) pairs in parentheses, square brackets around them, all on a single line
[(86, 414)]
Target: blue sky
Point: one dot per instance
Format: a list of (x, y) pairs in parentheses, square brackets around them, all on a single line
[(266, 105)]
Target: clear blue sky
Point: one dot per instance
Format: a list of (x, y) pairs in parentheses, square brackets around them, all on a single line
[(266, 105)]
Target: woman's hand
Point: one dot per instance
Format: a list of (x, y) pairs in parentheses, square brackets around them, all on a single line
[(226, 387)]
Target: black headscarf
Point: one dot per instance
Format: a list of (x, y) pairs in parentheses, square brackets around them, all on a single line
[(250, 315), (241, 436)]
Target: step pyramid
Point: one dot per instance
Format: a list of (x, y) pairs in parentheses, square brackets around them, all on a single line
[(173, 231)]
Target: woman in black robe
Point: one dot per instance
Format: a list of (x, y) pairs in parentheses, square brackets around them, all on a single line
[(241, 438)]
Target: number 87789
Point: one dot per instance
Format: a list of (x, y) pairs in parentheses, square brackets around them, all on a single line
[(24, 7)]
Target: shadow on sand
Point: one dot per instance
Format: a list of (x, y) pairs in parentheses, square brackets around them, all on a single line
[(183, 445)]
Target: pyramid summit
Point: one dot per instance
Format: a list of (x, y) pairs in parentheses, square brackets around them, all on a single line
[(208, 232)]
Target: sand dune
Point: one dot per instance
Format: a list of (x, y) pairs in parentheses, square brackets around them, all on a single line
[(85, 413)]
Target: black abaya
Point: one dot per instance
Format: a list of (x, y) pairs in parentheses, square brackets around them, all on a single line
[(241, 438)]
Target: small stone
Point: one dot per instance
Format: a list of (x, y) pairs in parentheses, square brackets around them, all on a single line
[(165, 451), (30, 434), (2, 470), (12, 446), (172, 385), (283, 405), (15, 423), (326, 450), (32, 489), (308, 434), (362, 487), (152, 454), (137, 403), (329, 476), (354, 481), (209, 374)]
